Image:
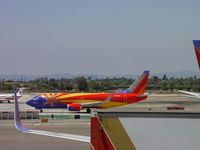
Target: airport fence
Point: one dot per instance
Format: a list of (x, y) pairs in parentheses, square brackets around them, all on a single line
[(53, 116), (23, 115)]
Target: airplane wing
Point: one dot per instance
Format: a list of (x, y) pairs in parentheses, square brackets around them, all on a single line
[(20, 127), (96, 103), (190, 94), (90, 104)]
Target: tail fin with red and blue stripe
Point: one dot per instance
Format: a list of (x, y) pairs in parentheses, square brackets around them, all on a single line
[(197, 50), (138, 85)]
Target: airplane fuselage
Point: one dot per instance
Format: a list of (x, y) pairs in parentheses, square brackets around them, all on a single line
[(61, 100), (78, 101), (5, 97)]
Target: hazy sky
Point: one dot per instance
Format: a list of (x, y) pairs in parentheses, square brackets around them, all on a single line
[(97, 36)]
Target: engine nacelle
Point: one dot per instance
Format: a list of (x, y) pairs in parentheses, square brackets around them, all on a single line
[(74, 107)]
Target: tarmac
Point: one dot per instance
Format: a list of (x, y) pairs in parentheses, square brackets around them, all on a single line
[(10, 138)]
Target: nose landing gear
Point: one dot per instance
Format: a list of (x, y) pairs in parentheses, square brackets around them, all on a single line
[(88, 110)]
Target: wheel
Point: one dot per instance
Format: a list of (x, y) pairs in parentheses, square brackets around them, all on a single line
[(41, 111), (88, 110), (8, 101)]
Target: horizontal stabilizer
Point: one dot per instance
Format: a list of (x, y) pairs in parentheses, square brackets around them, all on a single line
[(142, 95), (190, 94)]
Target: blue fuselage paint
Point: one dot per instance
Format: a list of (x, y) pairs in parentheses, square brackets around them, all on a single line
[(39, 103)]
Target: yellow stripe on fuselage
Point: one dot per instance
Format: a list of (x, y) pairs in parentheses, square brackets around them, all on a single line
[(76, 94), (78, 101), (112, 104)]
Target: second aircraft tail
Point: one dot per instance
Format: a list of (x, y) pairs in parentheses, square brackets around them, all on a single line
[(197, 50), (20, 92)]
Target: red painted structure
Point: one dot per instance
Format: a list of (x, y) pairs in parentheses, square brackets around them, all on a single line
[(99, 139)]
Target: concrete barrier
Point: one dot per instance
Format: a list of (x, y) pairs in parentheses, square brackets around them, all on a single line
[(23, 115)]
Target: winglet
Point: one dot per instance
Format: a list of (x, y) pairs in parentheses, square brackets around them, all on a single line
[(17, 119), (20, 91), (20, 127)]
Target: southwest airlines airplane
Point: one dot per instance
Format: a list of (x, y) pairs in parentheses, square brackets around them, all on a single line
[(8, 97), (197, 51), (78, 101)]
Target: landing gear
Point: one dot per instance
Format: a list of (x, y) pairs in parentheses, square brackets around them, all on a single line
[(8, 101), (88, 110)]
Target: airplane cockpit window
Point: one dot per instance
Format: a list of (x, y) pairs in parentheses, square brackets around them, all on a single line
[(35, 98)]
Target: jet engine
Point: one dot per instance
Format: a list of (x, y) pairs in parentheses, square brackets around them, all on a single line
[(74, 107)]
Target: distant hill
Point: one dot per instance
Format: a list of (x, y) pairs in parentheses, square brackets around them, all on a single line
[(21, 77), (16, 77), (180, 74)]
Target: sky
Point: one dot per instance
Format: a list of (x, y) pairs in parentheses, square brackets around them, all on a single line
[(107, 37)]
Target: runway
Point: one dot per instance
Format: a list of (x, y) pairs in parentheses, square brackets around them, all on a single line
[(10, 138)]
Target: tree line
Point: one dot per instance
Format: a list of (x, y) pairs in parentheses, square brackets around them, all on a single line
[(82, 84)]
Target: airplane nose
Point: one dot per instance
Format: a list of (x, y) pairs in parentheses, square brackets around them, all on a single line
[(29, 102)]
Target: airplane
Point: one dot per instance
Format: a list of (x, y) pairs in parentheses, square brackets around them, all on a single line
[(197, 51), (8, 97), (79, 101), (19, 126)]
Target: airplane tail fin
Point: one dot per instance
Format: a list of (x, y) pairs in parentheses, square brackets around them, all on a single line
[(20, 92), (138, 85), (197, 50)]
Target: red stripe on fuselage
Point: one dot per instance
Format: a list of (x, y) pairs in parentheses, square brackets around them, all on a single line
[(7, 98)]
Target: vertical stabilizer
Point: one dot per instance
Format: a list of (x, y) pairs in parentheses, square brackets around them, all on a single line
[(138, 85), (20, 92), (197, 50)]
